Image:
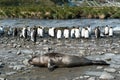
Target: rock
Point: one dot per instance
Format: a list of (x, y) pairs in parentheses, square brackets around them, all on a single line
[(18, 46), (19, 67), (106, 76), (47, 48), (9, 51), (91, 78), (14, 45), (110, 70), (86, 76), (25, 62), (99, 67), (3, 79), (19, 52), (10, 73)]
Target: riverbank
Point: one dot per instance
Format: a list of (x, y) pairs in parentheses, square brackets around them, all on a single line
[(14, 53), (59, 12)]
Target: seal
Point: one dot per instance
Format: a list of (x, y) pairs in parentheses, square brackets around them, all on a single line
[(55, 60)]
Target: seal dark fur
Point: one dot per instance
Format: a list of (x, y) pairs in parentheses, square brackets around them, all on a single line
[(53, 60)]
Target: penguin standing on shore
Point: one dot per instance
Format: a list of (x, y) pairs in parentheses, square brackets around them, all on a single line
[(97, 32), (59, 34), (51, 32), (77, 33), (106, 30), (10, 31), (15, 32), (83, 32), (66, 33), (72, 32), (40, 32), (111, 31), (89, 29), (86, 33), (34, 34), (1, 30), (24, 32)]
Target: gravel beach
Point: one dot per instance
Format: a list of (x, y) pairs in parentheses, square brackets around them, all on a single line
[(14, 53)]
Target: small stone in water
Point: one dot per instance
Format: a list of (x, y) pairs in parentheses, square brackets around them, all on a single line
[(110, 69), (106, 76)]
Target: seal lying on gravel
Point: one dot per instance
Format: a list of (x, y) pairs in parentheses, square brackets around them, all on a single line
[(53, 60)]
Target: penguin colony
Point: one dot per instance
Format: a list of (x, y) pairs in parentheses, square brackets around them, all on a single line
[(59, 33)]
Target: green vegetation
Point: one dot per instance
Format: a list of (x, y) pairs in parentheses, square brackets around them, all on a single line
[(47, 9)]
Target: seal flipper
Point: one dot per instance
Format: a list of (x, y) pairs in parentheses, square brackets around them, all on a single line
[(99, 62), (51, 66)]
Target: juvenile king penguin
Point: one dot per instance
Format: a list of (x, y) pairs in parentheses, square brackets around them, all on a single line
[(106, 30), (111, 32), (59, 34), (66, 33), (86, 34), (33, 34), (40, 31), (77, 33), (97, 32)]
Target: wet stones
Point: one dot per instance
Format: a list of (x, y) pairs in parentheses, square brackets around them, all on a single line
[(106, 76), (112, 70), (25, 62), (18, 67), (3, 79)]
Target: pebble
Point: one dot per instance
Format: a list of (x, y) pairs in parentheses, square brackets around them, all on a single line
[(14, 45), (10, 73), (18, 52), (91, 78), (106, 76), (19, 67), (3, 79), (25, 62), (112, 70), (99, 67)]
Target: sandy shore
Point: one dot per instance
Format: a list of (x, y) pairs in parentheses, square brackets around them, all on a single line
[(14, 52)]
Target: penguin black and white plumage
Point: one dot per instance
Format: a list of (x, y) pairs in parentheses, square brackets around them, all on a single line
[(24, 32), (51, 32), (40, 31), (97, 32), (28, 31), (86, 33), (106, 30), (10, 31), (89, 29), (77, 33), (15, 32), (72, 32), (111, 31), (1, 30), (66, 33), (83, 32), (59, 34), (34, 34)]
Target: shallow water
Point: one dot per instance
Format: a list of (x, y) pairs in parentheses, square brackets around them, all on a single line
[(62, 23)]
